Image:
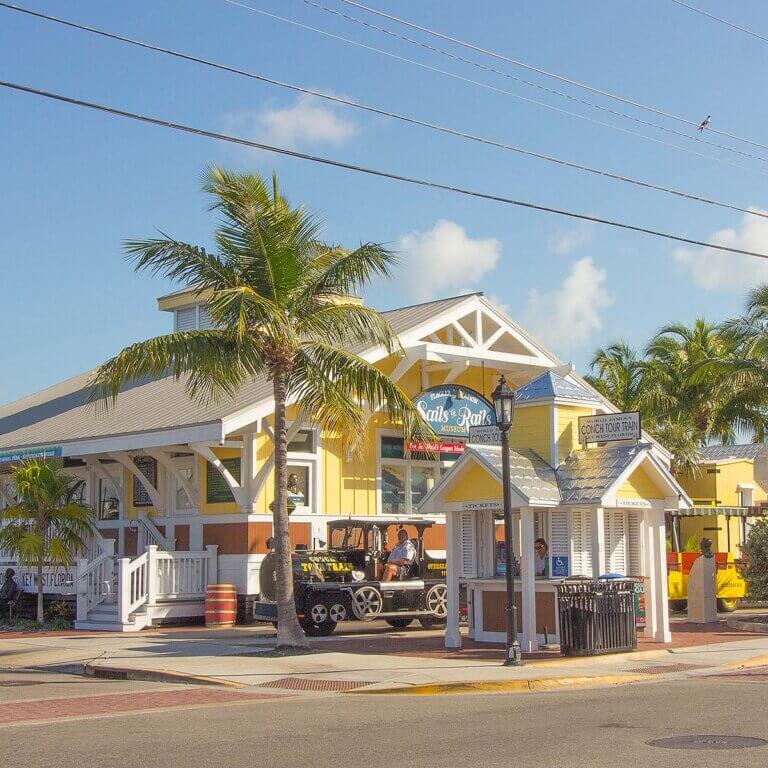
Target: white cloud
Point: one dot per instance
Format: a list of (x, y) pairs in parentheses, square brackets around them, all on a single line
[(307, 121), (568, 316), (720, 271), (445, 258), (571, 240)]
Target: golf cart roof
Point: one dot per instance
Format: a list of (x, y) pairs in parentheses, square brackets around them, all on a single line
[(380, 521)]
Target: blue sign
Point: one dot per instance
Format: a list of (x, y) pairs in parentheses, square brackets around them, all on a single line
[(559, 565), (22, 454), (451, 410)]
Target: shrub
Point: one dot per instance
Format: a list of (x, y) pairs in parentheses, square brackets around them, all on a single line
[(756, 568)]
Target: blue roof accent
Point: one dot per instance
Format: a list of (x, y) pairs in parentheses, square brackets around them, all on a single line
[(550, 386)]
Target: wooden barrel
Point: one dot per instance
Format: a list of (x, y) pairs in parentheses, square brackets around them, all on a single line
[(220, 605)]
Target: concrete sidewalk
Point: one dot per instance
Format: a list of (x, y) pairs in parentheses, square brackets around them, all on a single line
[(241, 658)]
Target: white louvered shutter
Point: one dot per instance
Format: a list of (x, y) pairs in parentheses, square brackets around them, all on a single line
[(578, 567), (186, 319), (205, 318), (558, 533), (634, 551), (615, 529), (468, 550)]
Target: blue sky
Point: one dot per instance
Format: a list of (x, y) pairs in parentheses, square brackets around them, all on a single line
[(76, 184)]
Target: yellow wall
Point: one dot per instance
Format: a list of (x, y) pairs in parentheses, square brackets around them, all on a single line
[(721, 486), (702, 488), (567, 428), (474, 484), (640, 485), (222, 508), (532, 429), (714, 527)]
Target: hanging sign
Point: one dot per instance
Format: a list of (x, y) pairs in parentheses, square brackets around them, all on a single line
[(22, 454), (451, 410), (484, 436), (418, 446), (608, 427)]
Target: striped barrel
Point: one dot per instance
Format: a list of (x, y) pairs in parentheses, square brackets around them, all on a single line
[(220, 605)]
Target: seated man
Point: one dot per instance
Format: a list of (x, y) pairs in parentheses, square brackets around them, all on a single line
[(9, 590), (403, 554)]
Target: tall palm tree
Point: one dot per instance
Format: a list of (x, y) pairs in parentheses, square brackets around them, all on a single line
[(619, 375), (281, 309), (46, 526)]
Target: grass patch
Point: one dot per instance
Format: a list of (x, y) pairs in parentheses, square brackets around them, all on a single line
[(30, 625)]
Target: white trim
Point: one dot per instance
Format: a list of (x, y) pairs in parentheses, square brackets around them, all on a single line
[(212, 458), (164, 460), (153, 493)]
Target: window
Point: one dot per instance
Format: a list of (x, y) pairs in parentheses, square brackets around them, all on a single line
[(393, 483), (148, 466), (182, 501), (303, 442), (186, 319), (298, 485), (216, 489), (109, 504)]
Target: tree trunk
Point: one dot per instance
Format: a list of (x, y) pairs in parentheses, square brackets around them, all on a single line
[(40, 605), (289, 632)]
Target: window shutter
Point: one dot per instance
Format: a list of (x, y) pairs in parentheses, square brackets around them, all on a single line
[(581, 542), (205, 319), (615, 529), (186, 319), (558, 536), (635, 563), (468, 557)]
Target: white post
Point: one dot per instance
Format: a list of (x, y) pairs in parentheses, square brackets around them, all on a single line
[(659, 594), (529, 641), (82, 590), (452, 632), (213, 563), (152, 575), (123, 589), (248, 473), (598, 542)]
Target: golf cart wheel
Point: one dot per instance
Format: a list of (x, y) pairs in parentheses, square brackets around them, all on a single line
[(727, 605), (318, 630), (337, 612), (678, 606), (429, 622), (436, 601), (317, 613), (399, 623), (367, 603)]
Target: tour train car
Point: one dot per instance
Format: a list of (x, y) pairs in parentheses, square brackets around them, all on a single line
[(344, 581)]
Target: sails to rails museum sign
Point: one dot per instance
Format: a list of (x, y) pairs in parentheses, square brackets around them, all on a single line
[(451, 410)]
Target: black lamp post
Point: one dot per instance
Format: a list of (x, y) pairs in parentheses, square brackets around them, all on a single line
[(504, 405)]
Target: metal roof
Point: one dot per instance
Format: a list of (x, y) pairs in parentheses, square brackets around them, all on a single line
[(587, 475), (62, 413), (530, 475), (727, 511), (550, 386), (725, 452)]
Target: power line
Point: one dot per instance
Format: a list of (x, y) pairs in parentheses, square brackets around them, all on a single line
[(370, 171), (721, 20), (487, 86), (554, 91), (546, 73), (378, 111)]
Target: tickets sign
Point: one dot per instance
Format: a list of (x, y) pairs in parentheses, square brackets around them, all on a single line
[(609, 427)]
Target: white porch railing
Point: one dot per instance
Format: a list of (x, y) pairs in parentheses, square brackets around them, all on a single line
[(95, 579), (152, 534), (157, 576)]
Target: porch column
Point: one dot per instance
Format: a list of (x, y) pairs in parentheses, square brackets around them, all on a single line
[(452, 633), (656, 601), (598, 542), (529, 641), (248, 473)]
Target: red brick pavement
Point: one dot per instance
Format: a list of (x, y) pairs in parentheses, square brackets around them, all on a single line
[(115, 703)]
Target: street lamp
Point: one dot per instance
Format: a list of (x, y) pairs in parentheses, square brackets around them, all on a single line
[(504, 405)]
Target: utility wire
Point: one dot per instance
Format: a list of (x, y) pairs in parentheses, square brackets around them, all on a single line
[(378, 111), (721, 20), (370, 171), (487, 86), (538, 70)]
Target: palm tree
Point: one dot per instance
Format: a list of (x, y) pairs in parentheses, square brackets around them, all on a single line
[(46, 525), (619, 376), (281, 309)]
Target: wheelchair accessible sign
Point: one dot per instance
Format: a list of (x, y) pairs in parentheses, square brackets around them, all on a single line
[(559, 565)]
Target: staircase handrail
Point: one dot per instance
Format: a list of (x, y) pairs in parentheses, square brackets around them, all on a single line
[(153, 532), (133, 585)]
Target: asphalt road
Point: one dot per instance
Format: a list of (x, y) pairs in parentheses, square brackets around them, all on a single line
[(596, 728)]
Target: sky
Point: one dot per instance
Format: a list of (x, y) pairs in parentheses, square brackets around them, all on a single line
[(75, 184)]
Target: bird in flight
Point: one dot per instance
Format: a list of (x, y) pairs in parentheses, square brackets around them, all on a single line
[(705, 122)]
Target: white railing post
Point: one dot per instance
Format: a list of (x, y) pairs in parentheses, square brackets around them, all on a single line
[(81, 586), (152, 574), (123, 589), (212, 574)]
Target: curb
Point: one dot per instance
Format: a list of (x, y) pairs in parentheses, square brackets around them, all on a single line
[(107, 672), (745, 625), (504, 686)]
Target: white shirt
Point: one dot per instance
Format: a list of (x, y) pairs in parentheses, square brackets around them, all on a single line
[(403, 551)]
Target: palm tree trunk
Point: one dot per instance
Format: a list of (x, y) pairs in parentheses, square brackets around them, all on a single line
[(289, 632), (40, 605)]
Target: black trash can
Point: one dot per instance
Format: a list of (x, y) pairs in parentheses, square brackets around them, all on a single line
[(596, 616)]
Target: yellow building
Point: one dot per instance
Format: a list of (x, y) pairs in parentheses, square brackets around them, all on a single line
[(184, 489)]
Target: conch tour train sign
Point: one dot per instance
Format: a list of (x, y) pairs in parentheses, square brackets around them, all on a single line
[(451, 411)]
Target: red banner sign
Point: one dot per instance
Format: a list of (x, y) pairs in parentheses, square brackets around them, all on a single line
[(417, 446)]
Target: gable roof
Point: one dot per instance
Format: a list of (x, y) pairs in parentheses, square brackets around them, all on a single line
[(725, 452), (62, 413), (552, 386)]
